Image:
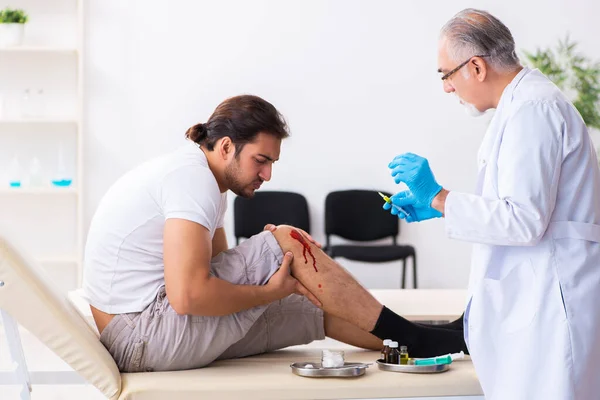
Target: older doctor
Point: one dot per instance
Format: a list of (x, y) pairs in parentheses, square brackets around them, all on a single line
[(533, 318)]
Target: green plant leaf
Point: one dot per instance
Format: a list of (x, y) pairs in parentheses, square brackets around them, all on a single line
[(13, 16), (573, 71)]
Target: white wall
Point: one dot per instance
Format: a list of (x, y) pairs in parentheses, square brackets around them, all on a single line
[(356, 80)]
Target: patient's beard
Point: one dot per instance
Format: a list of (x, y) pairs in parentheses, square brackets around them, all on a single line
[(232, 173)]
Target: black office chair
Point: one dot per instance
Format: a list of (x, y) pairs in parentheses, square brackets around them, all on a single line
[(251, 215), (358, 215)]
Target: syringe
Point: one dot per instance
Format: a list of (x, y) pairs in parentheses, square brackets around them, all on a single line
[(389, 201)]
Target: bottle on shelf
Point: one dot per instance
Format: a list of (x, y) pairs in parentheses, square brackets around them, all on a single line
[(1, 106), (62, 178), (26, 104), (38, 104), (36, 178), (14, 173)]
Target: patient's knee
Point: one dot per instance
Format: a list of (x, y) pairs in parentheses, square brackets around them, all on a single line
[(283, 234), (292, 239)]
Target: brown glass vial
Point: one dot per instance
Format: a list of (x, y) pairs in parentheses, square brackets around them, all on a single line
[(394, 355), (386, 349)]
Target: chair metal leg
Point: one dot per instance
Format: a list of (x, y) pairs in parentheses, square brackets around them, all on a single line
[(404, 273), (414, 265), (16, 352)]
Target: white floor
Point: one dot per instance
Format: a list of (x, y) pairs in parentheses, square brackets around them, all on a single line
[(40, 358), (54, 392)]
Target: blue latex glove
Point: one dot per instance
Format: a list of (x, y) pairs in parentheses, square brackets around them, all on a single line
[(407, 201), (415, 172)]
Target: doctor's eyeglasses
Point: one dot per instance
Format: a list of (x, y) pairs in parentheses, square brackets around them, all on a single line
[(446, 76)]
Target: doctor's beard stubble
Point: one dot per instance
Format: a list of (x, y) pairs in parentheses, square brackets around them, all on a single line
[(470, 109)]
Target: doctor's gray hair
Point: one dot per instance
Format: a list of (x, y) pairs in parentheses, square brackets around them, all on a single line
[(474, 32)]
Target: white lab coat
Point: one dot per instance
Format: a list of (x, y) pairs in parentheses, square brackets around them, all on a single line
[(532, 322)]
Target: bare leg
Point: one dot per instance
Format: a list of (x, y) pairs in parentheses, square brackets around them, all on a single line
[(338, 329), (341, 295), (351, 312)]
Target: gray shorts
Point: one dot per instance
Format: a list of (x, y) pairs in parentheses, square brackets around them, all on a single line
[(158, 339)]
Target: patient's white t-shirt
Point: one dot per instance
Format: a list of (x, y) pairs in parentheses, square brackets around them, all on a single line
[(123, 262)]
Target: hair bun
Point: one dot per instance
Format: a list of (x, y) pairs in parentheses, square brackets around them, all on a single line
[(197, 133)]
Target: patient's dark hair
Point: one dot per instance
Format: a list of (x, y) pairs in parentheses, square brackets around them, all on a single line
[(241, 118)]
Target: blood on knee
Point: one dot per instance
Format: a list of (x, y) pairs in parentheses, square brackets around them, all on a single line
[(292, 239), (296, 235)]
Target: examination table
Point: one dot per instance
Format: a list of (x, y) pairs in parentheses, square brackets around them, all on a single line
[(65, 326)]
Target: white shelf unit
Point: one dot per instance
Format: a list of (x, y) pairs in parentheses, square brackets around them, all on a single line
[(47, 220), (39, 49), (39, 191), (37, 121)]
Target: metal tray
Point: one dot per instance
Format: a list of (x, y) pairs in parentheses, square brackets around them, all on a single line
[(413, 369), (348, 370)]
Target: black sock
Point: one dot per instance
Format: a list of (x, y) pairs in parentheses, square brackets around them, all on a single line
[(421, 340), (456, 324)]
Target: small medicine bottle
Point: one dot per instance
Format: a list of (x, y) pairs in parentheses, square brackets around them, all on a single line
[(386, 349), (394, 356), (14, 173), (403, 355)]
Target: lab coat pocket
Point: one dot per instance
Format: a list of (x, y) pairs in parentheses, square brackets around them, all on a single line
[(512, 298)]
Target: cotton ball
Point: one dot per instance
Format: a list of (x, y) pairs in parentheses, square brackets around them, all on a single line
[(332, 359)]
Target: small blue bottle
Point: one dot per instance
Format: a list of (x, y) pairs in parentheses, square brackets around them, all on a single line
[(61, 179), (14, 173)]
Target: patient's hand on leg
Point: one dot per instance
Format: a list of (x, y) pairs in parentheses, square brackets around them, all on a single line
[(340, 294)]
